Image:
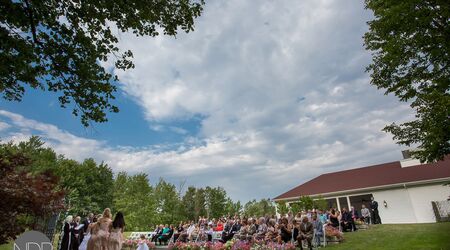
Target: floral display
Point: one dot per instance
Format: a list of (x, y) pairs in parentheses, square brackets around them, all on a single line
[(231, 245), (133, 244)]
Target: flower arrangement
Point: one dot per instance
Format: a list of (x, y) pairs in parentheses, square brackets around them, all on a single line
[(231, 245), (133, 244)]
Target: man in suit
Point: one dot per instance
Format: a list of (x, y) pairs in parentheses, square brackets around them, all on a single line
[(347, 222), (231, 228), (374, 209), (86, 223), (306, 233)]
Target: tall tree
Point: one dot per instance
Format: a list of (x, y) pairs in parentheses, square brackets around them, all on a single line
[(24, 194), (188, 203), (233, 208), (259, 208), (200, 203), (282, 207), (167, 202), (60, 46), (133, 196), (89, 186), (410, 44), (216, 199)]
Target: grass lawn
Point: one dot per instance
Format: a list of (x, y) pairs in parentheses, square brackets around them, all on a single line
[(399, 236)]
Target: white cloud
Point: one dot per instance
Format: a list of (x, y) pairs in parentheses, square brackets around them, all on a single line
[(282, 89)]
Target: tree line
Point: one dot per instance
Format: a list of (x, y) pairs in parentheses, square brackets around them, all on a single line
[(36, 182)]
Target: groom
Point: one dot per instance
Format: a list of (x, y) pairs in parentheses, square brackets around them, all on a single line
[(86, 223)]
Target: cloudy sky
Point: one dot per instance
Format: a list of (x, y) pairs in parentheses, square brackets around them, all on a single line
[(262, 96)]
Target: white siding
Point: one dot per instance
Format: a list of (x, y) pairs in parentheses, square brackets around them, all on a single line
[(411, 204), (399, 208), (422, 197)]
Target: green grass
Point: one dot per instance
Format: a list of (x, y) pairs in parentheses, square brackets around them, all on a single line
[(8, 246), (399, 236)]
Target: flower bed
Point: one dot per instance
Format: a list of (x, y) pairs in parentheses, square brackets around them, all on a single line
[(231, 245), (133, 244)]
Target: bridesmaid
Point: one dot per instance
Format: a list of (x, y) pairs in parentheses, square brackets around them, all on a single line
[(116, 234), (104, 223)]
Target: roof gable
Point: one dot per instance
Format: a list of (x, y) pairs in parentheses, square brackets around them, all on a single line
[(372, 176)]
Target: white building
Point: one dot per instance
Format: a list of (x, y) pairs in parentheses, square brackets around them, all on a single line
[(404, 189)]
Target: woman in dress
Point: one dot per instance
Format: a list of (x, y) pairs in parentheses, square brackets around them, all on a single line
[(116, 234), (334, 218), (66, 233), (87, 237), (94, 242), (104, 223)]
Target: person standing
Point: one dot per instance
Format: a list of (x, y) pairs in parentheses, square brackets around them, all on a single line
[(66, 233), (116, 234), (86, 222), (104, 224), (375, 214), (365, 214), (77, 229)]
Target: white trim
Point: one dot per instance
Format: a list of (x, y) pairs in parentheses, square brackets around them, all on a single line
[(367, 189)]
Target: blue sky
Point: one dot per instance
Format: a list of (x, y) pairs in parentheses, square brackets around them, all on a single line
[(258, 99)]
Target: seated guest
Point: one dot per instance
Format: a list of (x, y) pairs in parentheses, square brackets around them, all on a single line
[(365, 214), (347, 222), (158, 232), (272, 231), (295, 229), (334, 218), (285, 234), (242, 234), (209, 232), (318, 227), (193, 232), (262, 229), (251, 229), (166, 234), (354, 213), (230, 229), (322, 216), (305, 233), (219, 227), (179, 230)]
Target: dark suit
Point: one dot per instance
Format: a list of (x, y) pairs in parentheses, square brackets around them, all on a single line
[(66, 237), (86, 223), (75, 236), (347, 222), (374, 210), (306, 233), (229, 231)]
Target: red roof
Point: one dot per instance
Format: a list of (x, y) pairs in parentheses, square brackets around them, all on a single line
[(368, 177)]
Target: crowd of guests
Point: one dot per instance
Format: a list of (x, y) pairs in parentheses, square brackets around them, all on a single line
[(287, 228), (99, 232)]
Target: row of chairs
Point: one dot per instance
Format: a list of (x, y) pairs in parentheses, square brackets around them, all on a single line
[(137, 235)]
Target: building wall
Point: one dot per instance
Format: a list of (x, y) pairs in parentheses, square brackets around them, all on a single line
[(423, 196), (399, 206), (410, 204)]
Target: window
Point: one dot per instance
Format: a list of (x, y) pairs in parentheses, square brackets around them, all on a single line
[(343, 202), (358, 200), (331, 203)]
